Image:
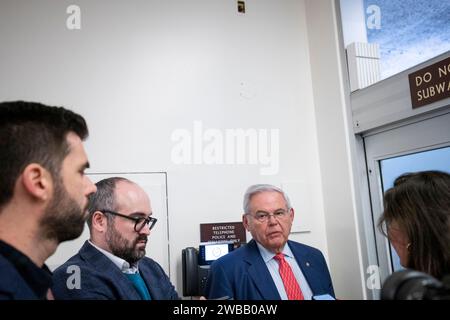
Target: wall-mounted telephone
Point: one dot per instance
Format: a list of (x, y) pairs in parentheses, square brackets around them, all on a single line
[(196, 265), (189, 259)]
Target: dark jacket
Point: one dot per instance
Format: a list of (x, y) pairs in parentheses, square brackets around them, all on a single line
[(243, 274), (102, 279)]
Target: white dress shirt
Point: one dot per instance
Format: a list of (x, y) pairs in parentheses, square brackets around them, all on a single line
[(123, 265), (273, 267)]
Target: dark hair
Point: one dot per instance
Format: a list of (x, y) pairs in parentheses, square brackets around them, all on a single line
[(32, 132), (420, 204), (104, 198)]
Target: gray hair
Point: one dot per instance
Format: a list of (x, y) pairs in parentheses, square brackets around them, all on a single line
[(104, 198), (258, 188)]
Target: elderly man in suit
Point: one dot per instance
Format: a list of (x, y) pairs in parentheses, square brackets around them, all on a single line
[(112, 264), (269, 267)]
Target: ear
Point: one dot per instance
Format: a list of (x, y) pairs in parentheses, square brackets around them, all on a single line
[(37, 181), (99, 221), (245, 222), (291, 214)]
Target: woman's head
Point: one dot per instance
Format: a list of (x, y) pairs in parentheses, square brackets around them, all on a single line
[(416, 218)]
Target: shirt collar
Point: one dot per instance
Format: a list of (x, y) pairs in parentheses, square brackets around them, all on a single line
[(268, 255), (123, 265)]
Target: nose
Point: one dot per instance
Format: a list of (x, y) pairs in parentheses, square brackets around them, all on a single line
[(271, 219), (145, 230), (90, 187)]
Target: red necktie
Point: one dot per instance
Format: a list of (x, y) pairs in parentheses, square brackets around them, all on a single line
[(291, 286)]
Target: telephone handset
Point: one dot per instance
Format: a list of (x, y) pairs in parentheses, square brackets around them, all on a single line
[(196, 264), (190, 272)]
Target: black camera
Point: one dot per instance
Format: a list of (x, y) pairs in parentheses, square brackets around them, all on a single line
[(415, 285)]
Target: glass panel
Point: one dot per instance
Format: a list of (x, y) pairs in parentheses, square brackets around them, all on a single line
[(408, 32), (437, 159)]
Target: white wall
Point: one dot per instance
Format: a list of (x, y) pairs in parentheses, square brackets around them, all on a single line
[(138, 70)]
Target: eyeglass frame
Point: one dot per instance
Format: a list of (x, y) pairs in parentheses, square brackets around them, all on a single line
[(149, 221), (282, 214)]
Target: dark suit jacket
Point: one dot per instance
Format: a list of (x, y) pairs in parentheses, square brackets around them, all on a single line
[(243, 274), (102, 279), (12, 285)]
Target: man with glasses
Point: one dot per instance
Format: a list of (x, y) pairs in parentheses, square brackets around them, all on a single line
[(270, 267), (112, 263)]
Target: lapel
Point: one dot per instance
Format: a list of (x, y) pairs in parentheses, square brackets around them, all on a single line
[(306, 265), (152, 282), (259, 273), (101, 262)]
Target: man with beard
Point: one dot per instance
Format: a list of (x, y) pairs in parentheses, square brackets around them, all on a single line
[(43, 192), (112, 263)]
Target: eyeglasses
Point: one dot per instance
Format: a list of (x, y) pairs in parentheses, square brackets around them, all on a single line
[(264, 216), (139, 222)]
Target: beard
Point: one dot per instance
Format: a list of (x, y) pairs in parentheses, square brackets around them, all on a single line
[(123, 248), (64, 218)]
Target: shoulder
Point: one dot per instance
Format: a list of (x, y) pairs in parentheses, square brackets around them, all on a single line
[(234, 256), (74, 263), (79, 278), (304, 252), (238, 258), (12, 285), (297, 246), (6, 268), (89, 260), (75, 280)]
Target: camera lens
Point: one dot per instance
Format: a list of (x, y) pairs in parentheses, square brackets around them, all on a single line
[(412, 285)]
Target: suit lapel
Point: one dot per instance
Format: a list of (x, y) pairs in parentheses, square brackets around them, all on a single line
[(151, 281), (259, 273), (307, 267)]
